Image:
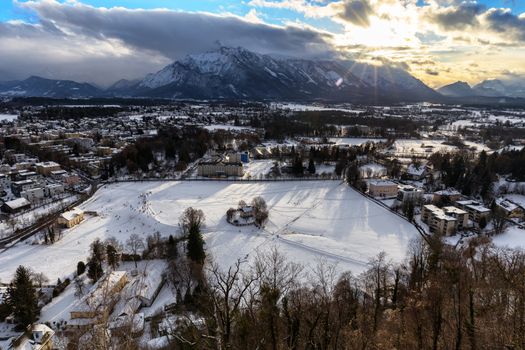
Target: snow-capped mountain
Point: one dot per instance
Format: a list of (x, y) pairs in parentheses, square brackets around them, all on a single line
[(457, 89), (41, 87), (234, 73), (497, 87), (487, 88)]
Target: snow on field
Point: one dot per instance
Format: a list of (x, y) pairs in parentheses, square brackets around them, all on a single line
[(514, 237), (215, 127), (258, 168), (353, 141), (8, 117), (309, 221), (406, 147), (304, 108)]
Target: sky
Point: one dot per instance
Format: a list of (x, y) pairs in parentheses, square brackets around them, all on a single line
[(102, 41)]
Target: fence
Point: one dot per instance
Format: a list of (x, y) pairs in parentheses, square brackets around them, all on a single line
[(206, 179)]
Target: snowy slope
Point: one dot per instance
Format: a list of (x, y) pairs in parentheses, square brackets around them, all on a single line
[(239, 73), (309, 220)]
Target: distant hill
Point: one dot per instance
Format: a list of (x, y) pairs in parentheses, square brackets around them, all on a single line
[(41, 87), (457, 89)]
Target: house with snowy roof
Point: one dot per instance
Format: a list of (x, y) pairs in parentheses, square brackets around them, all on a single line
[(71, 218), (36, 337)]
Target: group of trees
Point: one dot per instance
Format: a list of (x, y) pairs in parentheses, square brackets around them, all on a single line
[(476, 175), (184, 145), (440, 298)]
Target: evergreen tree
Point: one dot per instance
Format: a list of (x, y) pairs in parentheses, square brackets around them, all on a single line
[(311, 166), (81, 268), (95, 270), (195, 248), (172, 250), (112, 256), (22, 298), (297, 166)]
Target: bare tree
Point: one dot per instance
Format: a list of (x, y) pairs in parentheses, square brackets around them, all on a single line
[(499, 220), (228, 290), (192, 220), (39, 278), (135, 244), (260, 211)]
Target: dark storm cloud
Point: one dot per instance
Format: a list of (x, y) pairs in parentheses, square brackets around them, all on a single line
[(357, 12), (79, 42), (457, 17), (503, 21), (176, 33)]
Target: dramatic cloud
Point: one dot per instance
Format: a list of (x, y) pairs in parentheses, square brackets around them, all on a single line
[(437, 40), (357, 12), (457, 17), (136, 41), (506, 23)]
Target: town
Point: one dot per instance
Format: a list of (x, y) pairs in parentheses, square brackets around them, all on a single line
[(113, 213)]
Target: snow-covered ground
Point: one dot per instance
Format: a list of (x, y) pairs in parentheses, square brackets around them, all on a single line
[(408, 147), (258, 168), (311, 107), (353, 141), (8, 117), (513, 237), (309, 221)]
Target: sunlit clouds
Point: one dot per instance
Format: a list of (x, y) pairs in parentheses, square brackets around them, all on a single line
[(439, 41)]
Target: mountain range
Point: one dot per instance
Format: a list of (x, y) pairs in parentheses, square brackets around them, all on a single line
[(236, 73), (487, 88)]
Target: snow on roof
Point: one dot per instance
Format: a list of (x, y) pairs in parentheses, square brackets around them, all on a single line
[(506, 204), (70, 215), (448, 192), (454, 210), (416, 170), (148, 281), (476, 206), (47, 164), (17, 203), (517, 199), (98, 294), (382, 183)]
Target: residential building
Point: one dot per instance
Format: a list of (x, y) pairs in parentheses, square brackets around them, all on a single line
[(409, 193), (511, 209), (220, 169), (448, 195), (36, 337), (100, 300), (71, 218), (17, 187), (438, 221), (45, 168), (460, 215), (382, 188), (475, 210), (416, 172), (33, 194), (16, 205)]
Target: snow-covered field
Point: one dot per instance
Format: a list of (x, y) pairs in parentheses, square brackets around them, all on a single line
[(407, 147), (513, 237), (8, 117), (258, 168), (309, 221), (353, 141)]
